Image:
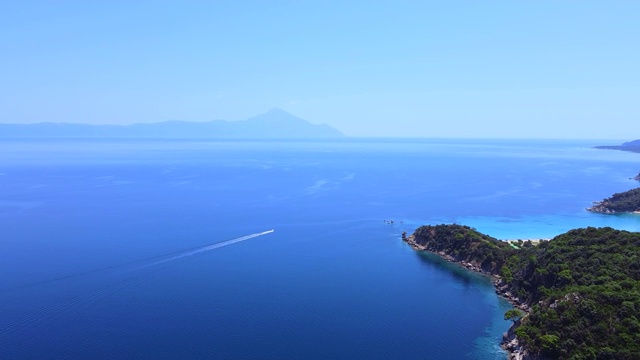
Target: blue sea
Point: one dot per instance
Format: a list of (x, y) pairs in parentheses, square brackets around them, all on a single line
[(163, 249)]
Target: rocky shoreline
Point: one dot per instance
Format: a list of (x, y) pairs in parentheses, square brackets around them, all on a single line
[(509, 342), (601, 207), (627, 202)]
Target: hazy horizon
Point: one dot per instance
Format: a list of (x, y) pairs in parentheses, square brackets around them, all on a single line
[(614, 141), (460, 69)]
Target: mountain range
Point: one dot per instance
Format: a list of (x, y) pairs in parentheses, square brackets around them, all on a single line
[(274, 124)]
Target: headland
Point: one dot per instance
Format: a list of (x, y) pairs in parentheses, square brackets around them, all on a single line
[(624, 202), (577, 295)]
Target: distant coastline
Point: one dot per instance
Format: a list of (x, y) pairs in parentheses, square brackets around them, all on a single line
[(274, 124), (631, 146)]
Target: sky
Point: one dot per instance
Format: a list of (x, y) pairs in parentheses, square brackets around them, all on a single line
[(476, 68)]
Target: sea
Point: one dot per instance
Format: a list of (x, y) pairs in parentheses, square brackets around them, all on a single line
[(162, 249)]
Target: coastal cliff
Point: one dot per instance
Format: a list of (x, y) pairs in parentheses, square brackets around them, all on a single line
[(579, 292), (624, 202)]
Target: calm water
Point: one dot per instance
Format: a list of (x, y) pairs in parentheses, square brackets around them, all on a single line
[(98, 239)]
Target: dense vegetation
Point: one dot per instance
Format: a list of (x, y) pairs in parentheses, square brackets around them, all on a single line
[(583, 287), (464, 244), (627, 201)]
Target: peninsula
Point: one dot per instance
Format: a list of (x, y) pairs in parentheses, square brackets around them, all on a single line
[(624, 202), (578, 294), (632, 146)]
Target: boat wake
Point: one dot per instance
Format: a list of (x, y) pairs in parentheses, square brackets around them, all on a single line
[(208, 248), (49, 312)]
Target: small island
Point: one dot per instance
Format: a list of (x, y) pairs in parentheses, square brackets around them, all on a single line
[(624, 202), (577, 296)]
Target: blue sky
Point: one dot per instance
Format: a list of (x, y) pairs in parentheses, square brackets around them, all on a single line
[(477, 68)]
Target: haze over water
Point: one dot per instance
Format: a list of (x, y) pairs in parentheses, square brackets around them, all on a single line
[(108, 246)]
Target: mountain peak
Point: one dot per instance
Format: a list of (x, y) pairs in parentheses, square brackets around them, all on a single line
[(279, 123), (277, 115)]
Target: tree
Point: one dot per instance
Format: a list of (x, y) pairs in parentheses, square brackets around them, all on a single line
[(514, 315)]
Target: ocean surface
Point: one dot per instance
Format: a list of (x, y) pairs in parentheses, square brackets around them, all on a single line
[(164, 249)]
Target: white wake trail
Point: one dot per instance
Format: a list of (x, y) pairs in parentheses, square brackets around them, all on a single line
[(210, 247), (49, 313)]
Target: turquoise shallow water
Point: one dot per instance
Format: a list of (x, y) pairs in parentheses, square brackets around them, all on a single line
[(99, 238)]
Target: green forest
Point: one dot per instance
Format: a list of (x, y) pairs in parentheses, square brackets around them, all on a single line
[(583, 287), (627, 201)]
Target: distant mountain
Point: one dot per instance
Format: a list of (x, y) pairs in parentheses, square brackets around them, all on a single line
[(634, 143), (274, 124), (633, 146)]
